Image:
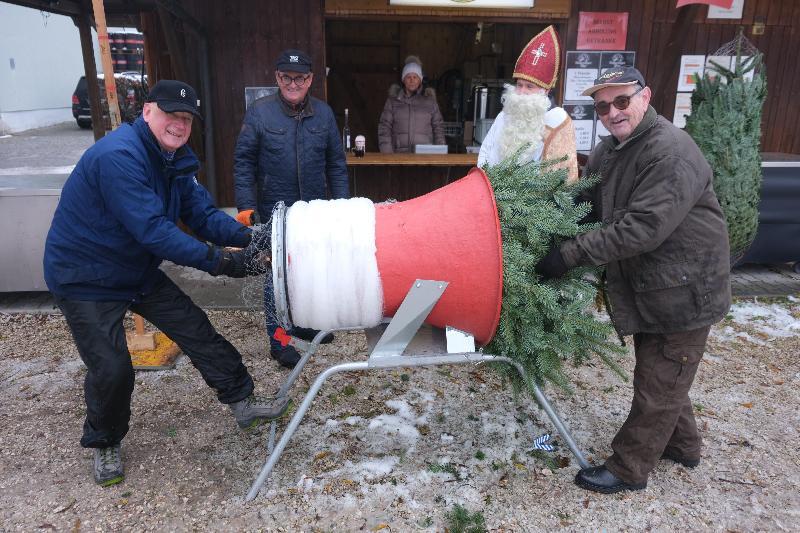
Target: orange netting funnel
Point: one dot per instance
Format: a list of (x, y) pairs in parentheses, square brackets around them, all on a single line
[(451, 234)]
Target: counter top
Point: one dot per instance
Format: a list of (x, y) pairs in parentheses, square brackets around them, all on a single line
[(443, 160)]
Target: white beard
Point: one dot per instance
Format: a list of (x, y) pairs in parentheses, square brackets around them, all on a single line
[(524, 122)]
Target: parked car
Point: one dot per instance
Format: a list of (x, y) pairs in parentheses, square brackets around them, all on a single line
[(131, 92)]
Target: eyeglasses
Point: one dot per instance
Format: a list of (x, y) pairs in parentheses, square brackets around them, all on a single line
[(620, 102), (297, 80)]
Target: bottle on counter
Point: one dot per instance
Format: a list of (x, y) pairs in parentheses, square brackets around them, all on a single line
[(346, 132), (360, 146)]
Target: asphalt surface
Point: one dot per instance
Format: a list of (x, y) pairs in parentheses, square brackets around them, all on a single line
[(52, 150)]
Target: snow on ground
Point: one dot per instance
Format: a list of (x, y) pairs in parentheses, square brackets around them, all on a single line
[(762, 321)]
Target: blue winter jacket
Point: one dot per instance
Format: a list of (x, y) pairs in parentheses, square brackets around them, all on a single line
[(116, 219), (287, 156)]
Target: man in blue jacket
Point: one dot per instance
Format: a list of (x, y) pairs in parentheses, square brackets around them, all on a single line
[(114, 224), (289, 149)]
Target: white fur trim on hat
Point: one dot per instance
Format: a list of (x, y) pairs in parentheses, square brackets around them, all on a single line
[(412, 68)]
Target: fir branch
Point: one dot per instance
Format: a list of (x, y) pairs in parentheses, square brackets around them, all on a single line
[(544, 323)]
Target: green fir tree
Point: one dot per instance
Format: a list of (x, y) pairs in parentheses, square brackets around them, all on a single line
[(726, 124), (544, 323)]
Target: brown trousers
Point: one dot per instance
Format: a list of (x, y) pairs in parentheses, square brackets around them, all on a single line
[(661, 412)]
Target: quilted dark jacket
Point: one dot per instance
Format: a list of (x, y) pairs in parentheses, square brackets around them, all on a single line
[(116, 219), (664, 240), (288, 156)]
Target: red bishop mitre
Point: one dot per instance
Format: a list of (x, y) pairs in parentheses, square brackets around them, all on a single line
[(540, 59)]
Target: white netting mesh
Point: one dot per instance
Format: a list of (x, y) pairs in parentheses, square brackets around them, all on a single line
[(259, 269), (738, 56)]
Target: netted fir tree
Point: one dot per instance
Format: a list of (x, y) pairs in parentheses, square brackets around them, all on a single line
[(726, 124), (544, 323)]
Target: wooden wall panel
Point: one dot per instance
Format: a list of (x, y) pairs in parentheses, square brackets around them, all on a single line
[(245, 38), (650, 23)]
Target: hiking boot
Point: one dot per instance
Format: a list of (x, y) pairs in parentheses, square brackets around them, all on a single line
[(108, 466), (674, 455), (287, 356), (254, 409), (308, 334)]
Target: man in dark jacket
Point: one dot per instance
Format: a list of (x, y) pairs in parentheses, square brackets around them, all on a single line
[(289, 149), (664, 243), (115, 222)]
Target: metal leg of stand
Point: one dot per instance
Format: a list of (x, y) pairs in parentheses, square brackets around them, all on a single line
[(388, 353), (298, 416), (395, 362)]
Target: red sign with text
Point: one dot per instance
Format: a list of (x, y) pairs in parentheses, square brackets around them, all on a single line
[(602, 31)]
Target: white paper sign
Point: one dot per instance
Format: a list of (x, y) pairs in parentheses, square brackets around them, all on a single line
[(578, 80), (583, 122), (690, 65), (526, 4), (723, 61), (734, 12), (600, 130), (683, 108)]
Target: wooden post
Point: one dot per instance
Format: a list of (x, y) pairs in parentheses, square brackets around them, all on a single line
[(140, 339), (108, 67), (90, 72)]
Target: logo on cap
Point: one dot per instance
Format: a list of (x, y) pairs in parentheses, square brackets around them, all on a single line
[(610, 75), (183, 93), (294, 59)]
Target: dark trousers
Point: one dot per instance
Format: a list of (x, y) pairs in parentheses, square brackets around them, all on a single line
[(661, 412), (100, 339)]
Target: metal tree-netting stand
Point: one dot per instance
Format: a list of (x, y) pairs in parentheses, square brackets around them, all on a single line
[(388, 346)]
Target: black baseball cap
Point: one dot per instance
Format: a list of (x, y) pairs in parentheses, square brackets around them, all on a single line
[(292, 60), (173, 96), (616, 77)]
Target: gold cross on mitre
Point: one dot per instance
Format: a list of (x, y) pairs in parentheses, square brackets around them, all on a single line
[(539, 52)]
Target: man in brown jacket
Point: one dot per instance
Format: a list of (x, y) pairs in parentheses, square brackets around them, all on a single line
[(664, 243)]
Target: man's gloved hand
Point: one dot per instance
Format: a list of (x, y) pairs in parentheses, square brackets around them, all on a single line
[(552, 265), (248, 217), (231, 264)]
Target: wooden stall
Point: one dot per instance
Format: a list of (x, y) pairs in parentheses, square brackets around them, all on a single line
[(362, 45), (401, 177)]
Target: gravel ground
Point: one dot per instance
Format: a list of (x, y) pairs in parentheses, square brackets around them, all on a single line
[(398, 449)]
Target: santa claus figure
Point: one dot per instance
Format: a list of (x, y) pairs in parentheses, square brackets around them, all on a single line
[(527, 119)]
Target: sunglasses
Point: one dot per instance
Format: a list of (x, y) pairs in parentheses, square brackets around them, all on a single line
[(297, 80), (620, 102)]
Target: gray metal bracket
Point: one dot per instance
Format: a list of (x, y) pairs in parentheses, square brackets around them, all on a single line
[(416, 306)]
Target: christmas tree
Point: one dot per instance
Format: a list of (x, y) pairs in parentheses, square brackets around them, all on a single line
[(544, 323), (726, 124)]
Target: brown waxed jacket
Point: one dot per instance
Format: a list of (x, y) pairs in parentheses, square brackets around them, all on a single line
[(664, 240), (409, 120)]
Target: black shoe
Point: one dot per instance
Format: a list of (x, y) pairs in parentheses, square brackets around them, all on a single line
[(287, 356), (599, 479), (308, 334), (673, 455)]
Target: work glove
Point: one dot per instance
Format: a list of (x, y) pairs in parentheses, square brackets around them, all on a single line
[(248, 217), (231, 263), (552, 265)]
